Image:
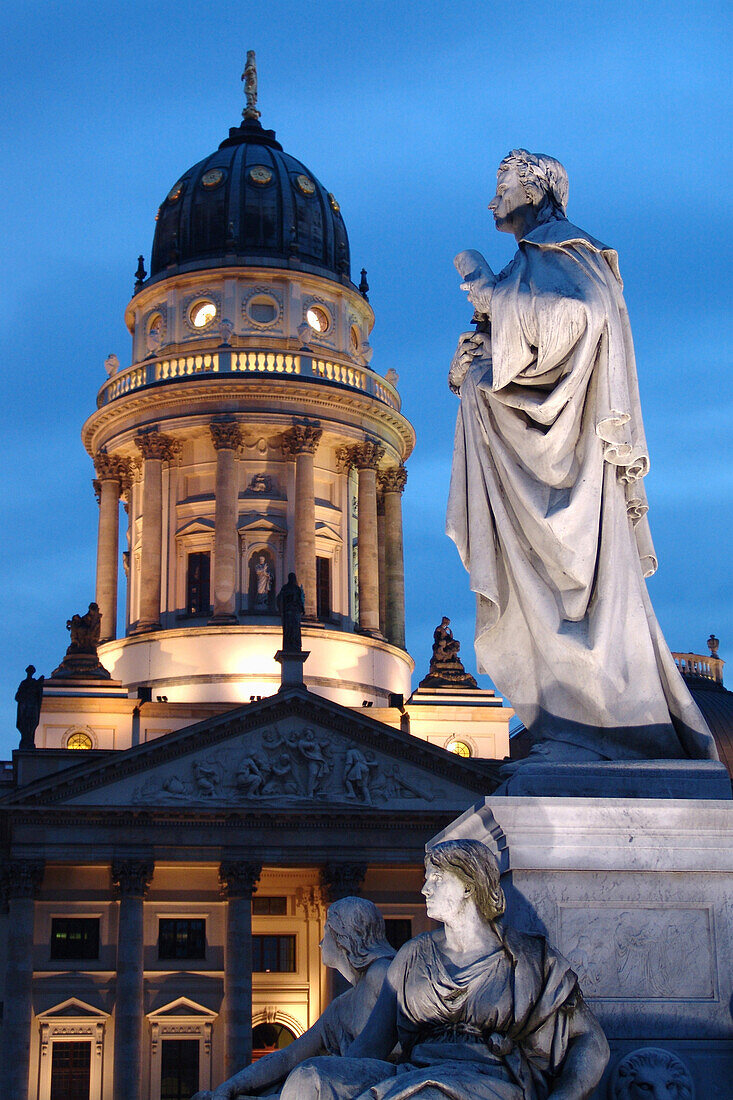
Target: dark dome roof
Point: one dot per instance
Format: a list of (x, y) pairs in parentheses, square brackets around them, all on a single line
[(716, 704), (250, 203)]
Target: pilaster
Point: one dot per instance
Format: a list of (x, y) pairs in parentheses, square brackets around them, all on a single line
[(21, 879), (130, 880), (238, 879)]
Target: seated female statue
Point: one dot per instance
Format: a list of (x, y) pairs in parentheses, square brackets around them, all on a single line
[(354, 943), (482, 1012)]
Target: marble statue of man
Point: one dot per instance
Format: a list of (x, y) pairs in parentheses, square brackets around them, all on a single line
[(547, 506)]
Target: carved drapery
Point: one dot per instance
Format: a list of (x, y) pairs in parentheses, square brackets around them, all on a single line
[(238, 879), (226, 436), (300, 443), (392, 482)]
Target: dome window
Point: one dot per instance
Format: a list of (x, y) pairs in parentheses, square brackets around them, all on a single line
[(460, 748), (262, 310), (79, 741), (334, 205), (213, 178), (318, 319), (260, 174), (175, 192), (306, 184), (202, 313)]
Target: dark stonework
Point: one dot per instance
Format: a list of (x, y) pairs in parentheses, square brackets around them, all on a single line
[(238, 878), (21, 878), (81, 661), (342, 880), (131, 877), (29, 697), (291, 605), (446, 668)]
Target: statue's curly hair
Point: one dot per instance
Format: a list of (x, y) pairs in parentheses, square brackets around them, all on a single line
[(358, 928), (472, 863), (544, 179)]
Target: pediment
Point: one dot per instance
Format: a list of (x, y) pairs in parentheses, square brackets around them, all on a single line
[(325, 532), (293, 751), (182, 1007), (257, 521), (196, 527), (73, 1008)]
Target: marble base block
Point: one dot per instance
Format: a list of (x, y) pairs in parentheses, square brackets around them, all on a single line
[(702, 779), (638, 894)]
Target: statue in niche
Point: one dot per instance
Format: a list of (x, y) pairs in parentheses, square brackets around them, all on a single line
[(357, 769), (29, 697), (291, 605), (262, 581), (446, 668), (354, 943), (480, 1010), (547, 506)]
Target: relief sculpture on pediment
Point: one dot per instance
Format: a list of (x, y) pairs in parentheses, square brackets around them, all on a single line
[(286, 767)]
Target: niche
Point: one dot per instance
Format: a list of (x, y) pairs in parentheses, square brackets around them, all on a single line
[(261, 590)]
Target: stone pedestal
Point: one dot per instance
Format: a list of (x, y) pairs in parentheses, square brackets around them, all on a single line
[(238, 880), (636, 893), (291, 665)]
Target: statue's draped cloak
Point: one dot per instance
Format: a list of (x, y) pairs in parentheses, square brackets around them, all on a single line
[(548, 511), (496, 1029)]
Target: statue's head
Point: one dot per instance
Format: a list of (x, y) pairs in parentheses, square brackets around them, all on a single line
[(31, 670), (529, 182), (473, 864), (652, 1074), (357, 926)]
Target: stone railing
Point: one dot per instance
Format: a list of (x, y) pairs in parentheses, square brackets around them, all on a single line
[(696, 664), (250, 361)]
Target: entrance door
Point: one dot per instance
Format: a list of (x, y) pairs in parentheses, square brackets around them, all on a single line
[(70, 1068), (179, 1069)]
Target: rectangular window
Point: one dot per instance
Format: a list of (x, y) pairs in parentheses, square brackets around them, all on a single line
[(75, 938), (273, 954), (269, 907), (179, 1069), (182, 938), (399, 930), (198, 575), (323, 589), (70, 1070)]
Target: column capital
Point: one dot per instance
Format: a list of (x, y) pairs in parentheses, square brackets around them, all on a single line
[(226, 435), (156, 445), (393, 479), (342, 880), (21, 878), (301, 439), (238, 878), (365, 456), (111, 467), (311, 900), (131, 877)]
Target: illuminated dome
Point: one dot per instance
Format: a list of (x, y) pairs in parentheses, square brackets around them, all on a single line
[(250, 204)]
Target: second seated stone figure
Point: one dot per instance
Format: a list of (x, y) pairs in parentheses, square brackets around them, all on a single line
[(481, 1011), (354, 943), (547, 505)]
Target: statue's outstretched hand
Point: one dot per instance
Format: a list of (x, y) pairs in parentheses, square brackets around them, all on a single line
[(471, 346), (478, 278)]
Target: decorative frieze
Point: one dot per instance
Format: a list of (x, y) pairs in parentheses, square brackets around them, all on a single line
[(226, 435), (238, 878), (301, 439), (131, 877)]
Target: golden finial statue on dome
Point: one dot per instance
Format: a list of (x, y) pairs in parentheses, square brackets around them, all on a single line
[(249, 76)]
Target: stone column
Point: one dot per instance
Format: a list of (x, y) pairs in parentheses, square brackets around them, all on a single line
[(341, 880), (155, 449), (21, 879), (130, 879), (227, 438), (238, 880), (112, 473), (365, 456), (382, 563), (301, 443), (392, 483)]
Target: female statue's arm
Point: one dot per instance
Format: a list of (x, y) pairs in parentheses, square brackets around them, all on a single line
[(270, 1069), (586, 1057), (379, 1036)]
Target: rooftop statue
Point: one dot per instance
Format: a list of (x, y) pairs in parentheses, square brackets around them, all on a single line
[(547, 506), (354, 943), (446, 668), (481, 1011), (291, 605), (29, 698)]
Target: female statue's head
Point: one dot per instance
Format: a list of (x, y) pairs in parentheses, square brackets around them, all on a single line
[(357, 928), (472, 864), (544, 180)]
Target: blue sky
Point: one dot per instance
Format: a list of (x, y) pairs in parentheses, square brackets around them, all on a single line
[(403, 111)]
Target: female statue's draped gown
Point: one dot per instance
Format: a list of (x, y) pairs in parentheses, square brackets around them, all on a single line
[(548, 511)]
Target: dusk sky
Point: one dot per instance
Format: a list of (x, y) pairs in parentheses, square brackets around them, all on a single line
[(403, 111)]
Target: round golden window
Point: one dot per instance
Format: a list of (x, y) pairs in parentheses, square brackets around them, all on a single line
[(79, 741), (212, 178), (318, 319), (202, 313), (460, 748), (175, 192)]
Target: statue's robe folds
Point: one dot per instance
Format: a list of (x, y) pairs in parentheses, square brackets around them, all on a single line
[(496, 1029), (548, 512)]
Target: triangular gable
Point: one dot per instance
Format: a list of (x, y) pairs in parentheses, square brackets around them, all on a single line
[(73, 1008), (182, 1007), (291, 750), (256, 521), (326, 532), (196, 527)]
